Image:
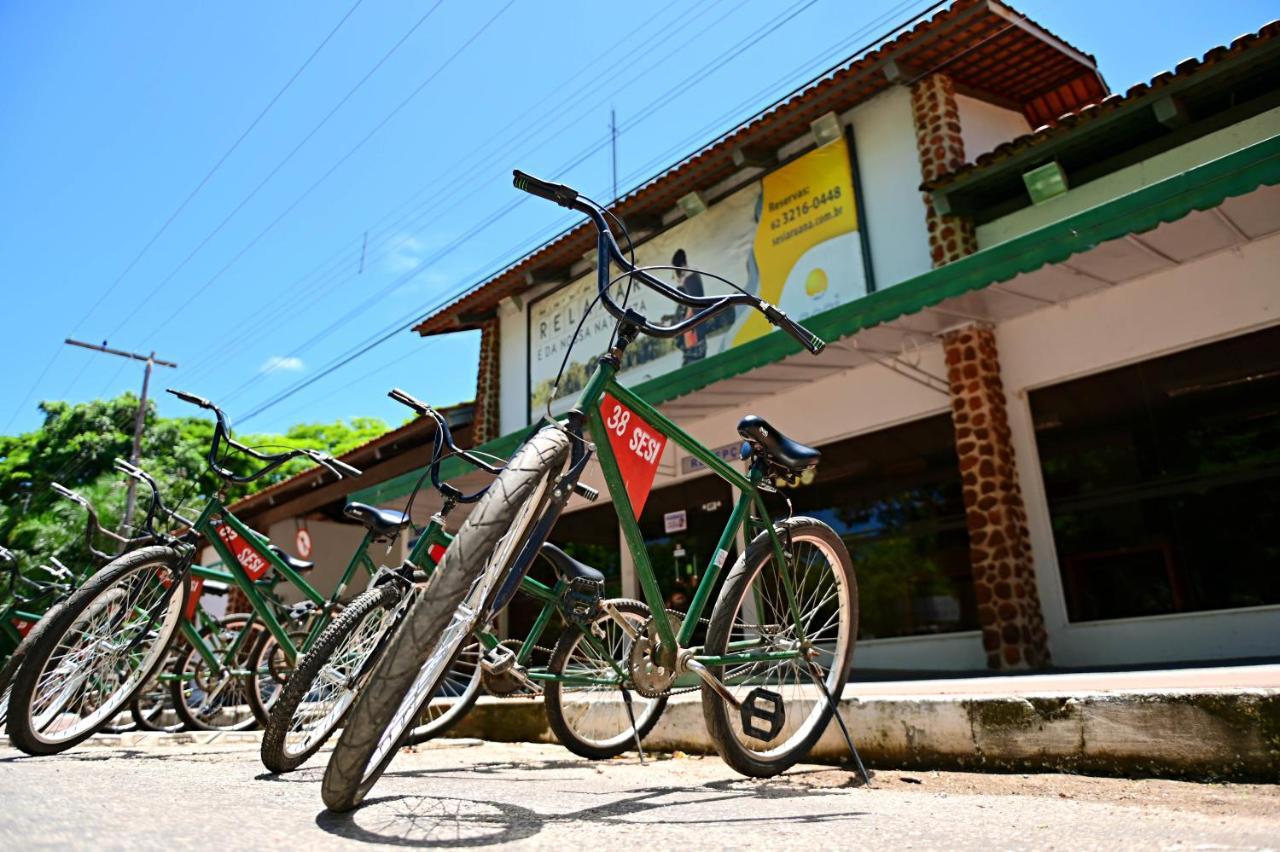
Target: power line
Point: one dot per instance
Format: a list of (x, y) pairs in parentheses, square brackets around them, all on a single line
[(792, 12), (383, 337), (216, 166), (350, 153), (462, 170), (280, 165)]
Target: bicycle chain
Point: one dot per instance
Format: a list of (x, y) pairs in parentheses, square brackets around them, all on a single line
[(665, 694)]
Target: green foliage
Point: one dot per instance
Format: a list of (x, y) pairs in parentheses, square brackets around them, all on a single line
[(76, 444)]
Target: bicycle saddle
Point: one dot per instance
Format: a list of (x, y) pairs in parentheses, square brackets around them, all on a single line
[(790, 455), (299, 565), (383, 523), (568, 567)]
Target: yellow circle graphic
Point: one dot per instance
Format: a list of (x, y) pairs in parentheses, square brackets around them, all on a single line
[(816, 282)]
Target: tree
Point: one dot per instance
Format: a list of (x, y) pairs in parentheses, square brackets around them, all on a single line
[(76, 444)]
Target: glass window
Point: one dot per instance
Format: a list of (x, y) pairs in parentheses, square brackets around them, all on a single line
[(1163, 481), (702, 507), (895, 498)]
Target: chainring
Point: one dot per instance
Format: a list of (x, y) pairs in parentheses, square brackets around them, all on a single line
[(505, 685), (651, 665)]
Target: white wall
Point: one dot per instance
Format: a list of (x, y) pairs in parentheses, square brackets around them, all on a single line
[(889, 166), (513, 392), (1211, 298), (983, 126)]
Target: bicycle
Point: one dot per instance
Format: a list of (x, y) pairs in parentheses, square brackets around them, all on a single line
[(322, 688), (781, 633), (36, 599), (113, 633)]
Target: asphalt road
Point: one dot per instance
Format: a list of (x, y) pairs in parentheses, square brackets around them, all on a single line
[(524, 795)]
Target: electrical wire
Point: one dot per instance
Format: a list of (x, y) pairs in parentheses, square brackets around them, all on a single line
[(274, 171)]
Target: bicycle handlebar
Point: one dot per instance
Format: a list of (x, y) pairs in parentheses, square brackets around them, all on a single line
[(705, 307), (444, 438), (222, 432)]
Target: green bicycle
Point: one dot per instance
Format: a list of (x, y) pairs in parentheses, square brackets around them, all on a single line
[(781, 634), (112, 635), (325, 684)]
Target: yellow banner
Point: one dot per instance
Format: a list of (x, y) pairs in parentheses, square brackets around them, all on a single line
[(805, 204)]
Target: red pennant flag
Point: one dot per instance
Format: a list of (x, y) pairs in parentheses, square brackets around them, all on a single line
[(636, 445)]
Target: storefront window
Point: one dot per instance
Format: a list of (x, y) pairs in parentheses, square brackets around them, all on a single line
[(1163, 480), (681, 525), (895, 498)]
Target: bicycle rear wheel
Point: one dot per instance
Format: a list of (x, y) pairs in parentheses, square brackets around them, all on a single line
[(97, 651), (753, 614), (592, 720), (453, 697), (209, 701), (451, 605)]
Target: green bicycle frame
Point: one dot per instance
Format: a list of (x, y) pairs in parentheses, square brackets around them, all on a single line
[(603, 381), (261, 607)]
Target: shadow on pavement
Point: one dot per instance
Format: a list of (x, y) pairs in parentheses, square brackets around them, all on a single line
[(427, 821)]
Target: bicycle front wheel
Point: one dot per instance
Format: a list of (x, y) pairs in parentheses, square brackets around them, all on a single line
[(453, 697), (318, 693), (451, 605), (754, 616), (97, 651)]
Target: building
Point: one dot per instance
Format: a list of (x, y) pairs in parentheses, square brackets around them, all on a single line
[(1050, 408)]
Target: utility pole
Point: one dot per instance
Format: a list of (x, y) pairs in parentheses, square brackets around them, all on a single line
[(139, 420), (613, 139)]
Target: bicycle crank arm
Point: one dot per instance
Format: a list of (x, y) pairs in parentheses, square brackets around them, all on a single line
[(626, 626), (712, 681)]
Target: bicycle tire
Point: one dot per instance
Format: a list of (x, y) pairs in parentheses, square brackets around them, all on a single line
[(468, 658), (11, 665), (417, 656), (277, 755), (266, 662), (565, 724), (99, 593), (199, 720), (722, 725)]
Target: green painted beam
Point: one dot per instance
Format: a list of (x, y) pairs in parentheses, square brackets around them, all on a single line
[(1199, 188)]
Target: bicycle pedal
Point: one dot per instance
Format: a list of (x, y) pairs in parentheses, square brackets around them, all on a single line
[(498, 660), (581, 600), (766, 706)]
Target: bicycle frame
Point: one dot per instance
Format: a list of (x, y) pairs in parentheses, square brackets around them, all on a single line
[(215, 513)]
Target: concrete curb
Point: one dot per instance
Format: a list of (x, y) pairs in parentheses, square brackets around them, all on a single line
[(1202, 735)]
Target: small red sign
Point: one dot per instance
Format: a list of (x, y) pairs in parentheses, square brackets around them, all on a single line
[(253, 562), (193, 602), (436, 552), (303, 541), (23, 627), (636, 445)]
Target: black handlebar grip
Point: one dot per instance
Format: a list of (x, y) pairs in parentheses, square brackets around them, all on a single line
[(557, 192), (191, 398), (802, 335), (405, 399)]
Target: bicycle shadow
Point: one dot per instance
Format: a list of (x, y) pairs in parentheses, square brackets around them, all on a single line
[(431, 821)]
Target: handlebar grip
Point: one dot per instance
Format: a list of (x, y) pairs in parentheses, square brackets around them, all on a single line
[(405, 399), (557, 192), (191, 398), (802, 335)]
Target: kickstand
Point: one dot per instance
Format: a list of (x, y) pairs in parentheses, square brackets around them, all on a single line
[(835, 711), (626, 699)]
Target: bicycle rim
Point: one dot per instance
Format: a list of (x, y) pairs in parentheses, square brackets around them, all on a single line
[(761, 616), (100, 661), (461, 624), (453, 697), (333, 690)]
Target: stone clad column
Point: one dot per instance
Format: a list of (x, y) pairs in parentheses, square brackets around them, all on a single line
[(1013, 633), (487, 385), (941, 150)]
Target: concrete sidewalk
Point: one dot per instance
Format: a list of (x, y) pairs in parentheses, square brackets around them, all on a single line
[(1213, 723)]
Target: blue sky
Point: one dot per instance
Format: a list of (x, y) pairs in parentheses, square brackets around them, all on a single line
[(113, 113)]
